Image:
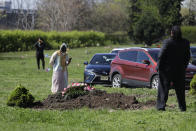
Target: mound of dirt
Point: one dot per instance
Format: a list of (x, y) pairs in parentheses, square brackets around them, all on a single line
[(95, 99)]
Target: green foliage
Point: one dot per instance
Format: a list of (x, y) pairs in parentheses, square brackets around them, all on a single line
[(147, 27), (189, 13), (118, 37), (134, 13), (193, 91), (19, 40), (74, 92), (189, 32), (146, 14), (169, 12), (110, 16), (189, 19), (193, 86), (20, 97)]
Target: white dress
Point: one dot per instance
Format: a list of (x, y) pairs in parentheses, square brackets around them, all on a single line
[(60, 76)]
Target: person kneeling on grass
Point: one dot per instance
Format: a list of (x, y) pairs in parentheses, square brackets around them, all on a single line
[(60, 60)]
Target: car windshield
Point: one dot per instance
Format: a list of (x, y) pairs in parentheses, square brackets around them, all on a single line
[(102, 59), (115, 51), (154, 54), (193, 51)]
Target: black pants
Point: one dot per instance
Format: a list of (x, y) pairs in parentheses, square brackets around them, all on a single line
[(38, 58), (164, 86)]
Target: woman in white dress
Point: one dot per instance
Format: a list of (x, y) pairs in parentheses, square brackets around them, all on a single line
[(60, 60)]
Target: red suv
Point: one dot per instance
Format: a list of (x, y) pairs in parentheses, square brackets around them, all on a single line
[(137, 67)]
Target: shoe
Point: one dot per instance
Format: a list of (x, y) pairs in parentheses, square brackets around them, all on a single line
[(161, 109), (182, 110)]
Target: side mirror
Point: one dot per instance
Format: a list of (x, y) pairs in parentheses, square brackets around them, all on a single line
[(147, 62), (86, 63)]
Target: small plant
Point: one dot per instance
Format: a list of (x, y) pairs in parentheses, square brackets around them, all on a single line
[(193, 86), (76, 89), (20, 97), (193, 90)]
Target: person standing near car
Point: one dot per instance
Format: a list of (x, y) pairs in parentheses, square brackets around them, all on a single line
[(173, 60), (60, 60), (39, 45)]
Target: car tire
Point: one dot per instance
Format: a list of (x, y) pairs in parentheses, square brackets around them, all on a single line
[(116, 81), (154, 82)]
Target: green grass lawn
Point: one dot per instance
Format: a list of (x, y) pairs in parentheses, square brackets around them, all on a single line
[(20, 68)]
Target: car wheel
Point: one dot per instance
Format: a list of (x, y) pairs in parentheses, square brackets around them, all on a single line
[(116, 81), (155, 82)]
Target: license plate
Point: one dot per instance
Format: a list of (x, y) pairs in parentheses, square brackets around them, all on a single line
[(104, 77)]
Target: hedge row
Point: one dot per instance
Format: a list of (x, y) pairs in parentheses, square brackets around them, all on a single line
[(189, 32), (118, 37), (18, 40)]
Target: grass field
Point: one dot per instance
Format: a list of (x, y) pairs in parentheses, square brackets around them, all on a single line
[(20, 68)]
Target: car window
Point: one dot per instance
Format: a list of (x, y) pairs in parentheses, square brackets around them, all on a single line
[(142, 56), (128, 55), (115, 51), (154, 55), (102, 59), (193, 51)]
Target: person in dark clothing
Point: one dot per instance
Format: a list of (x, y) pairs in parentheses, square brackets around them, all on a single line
[(173, 60), (39, 45)]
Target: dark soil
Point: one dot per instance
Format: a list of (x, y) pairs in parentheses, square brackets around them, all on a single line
[(96, 99)]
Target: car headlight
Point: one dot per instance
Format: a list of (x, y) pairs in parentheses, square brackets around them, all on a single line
[(90, 71)]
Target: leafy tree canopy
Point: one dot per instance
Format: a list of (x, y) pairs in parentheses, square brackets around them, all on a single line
[(148, 28), (151, 19)]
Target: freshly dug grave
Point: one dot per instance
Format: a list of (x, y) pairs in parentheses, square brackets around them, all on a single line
[(95, 99)]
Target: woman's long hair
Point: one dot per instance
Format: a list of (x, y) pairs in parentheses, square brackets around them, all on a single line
[(176, 33)]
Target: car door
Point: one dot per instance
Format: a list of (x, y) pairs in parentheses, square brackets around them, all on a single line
[(128, 63), (143, 70)]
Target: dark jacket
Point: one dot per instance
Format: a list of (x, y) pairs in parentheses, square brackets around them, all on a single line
[(174, 56), (39, 49)]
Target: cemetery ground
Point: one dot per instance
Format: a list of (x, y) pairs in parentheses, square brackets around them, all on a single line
[(20, 68)]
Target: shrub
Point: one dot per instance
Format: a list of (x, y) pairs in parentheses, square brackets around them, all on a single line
[(193, 85), (18, 40), (193, 90), (20, 97), (189, 32), (194, 105), (75, 90), (117, 38)]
